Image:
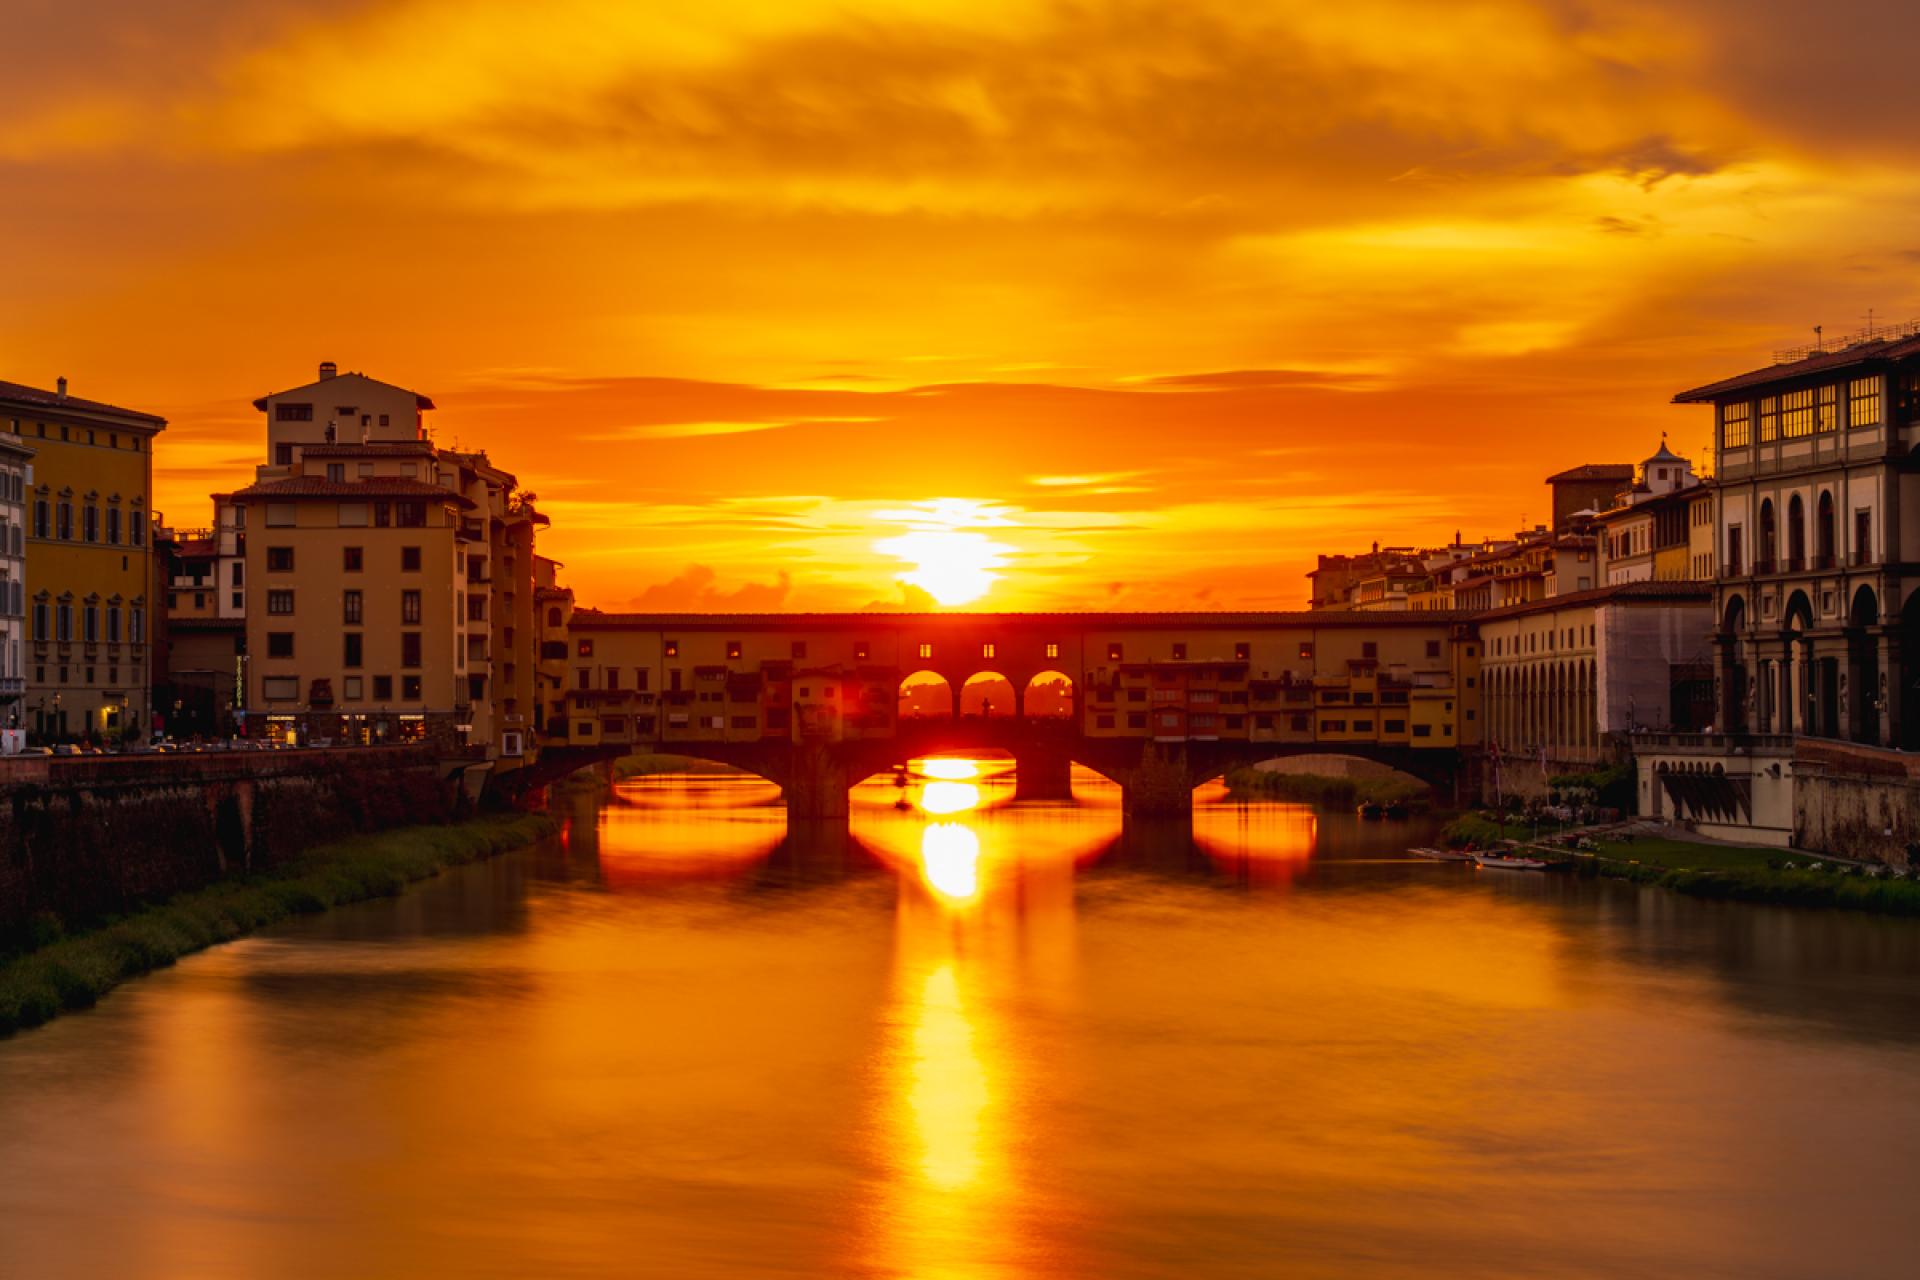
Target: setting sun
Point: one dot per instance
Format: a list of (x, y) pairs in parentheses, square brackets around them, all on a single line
[(952, 561)]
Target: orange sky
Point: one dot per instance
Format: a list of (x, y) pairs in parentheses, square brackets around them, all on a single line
[(1174, 292)]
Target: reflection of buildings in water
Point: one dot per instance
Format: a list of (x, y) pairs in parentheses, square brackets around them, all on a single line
[(1265, 844), (674, 827)]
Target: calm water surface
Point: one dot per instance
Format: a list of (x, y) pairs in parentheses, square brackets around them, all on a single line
[(980, 1039)]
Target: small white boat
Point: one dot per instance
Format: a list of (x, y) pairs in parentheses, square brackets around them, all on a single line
[(1508, 862), (1442, 855)]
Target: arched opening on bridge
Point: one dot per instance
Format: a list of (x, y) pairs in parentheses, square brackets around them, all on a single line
[(926, 695), (987, 695), (1049, 696)]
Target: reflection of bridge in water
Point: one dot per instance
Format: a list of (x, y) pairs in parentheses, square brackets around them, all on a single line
[(1157, 703)]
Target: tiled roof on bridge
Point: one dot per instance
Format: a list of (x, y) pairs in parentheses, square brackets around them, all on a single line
[(1298, 618)]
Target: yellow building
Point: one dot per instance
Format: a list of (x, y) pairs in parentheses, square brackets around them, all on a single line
[(88, 564)]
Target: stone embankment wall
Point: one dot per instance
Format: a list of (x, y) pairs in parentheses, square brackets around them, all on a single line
[(1856, 801), (91, 836)]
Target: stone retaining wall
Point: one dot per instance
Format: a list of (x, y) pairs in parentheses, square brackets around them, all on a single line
[(91, 836)]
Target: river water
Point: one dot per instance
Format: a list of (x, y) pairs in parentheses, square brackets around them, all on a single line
[(984, 1039)]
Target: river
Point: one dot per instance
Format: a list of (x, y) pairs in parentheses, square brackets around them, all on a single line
[(981, 1039)]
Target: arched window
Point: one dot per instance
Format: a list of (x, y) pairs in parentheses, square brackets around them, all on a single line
[(1796, 534), (553, 617), (1769, 537), (1823, 532)]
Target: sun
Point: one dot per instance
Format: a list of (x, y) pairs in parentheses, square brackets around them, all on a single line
[(951, 559)]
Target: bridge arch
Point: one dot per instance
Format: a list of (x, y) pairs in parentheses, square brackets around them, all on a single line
[(988, 695), (1049, 695), (925, 695)]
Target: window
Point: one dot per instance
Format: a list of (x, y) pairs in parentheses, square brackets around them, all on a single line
[(1826, 415), (1423, 731), (66, 521), (1734, 549), (583, 677), (410, 515), (1796, 414), (1369, 648), (63, 617), (1433, 648), (673, 648), (280, 601), (410, 608), (284, 412), (409, 688), (39, 621), (280, 688), (1863, 536), (1306, 650), (280, 644), (1242, 651), (353, 515), (799, 648), (113, 624), (926, 650), (382, 515), (337, 472), (279, 559), (113, 526), (584, 648), (40, 521), (352, 645), (861, 651), (1863, 402), (137, 625), (987, 650), (409, 559), (283, 455), (1053, 651), (1736, 425), (1179, 651), (1769, 419), (350, 608), (409, 648), (352, 559), (734, 649), (1333, 726), (1114, 652)]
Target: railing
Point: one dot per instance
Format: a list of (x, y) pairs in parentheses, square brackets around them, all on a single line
[(1762, 567), (1714, 741), (1823, 561), (1796, 564), (1862, 556)]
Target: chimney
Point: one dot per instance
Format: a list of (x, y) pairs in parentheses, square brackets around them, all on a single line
[(60, 387), (327, 369)]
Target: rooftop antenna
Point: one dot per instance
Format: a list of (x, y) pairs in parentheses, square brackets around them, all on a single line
[(1869, 322), (1819, 338)]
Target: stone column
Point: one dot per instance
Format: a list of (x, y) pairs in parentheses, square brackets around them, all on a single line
[(1887, 690), (817, 783), (1042, 774)]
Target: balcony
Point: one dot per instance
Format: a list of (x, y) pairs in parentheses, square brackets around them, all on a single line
[(1796, 564), (1823, 562), (1862, 556), (1761, 568)]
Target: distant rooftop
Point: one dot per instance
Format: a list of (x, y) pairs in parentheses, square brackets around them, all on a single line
[(1595, 471), (1875, 342), (20, 393)]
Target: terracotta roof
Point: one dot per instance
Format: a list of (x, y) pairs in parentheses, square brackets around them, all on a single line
[(1595, 471), (418, 399), (372, 487), (1821, 362), (18, 393)]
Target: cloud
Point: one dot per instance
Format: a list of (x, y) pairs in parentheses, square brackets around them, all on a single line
[(695, 590)]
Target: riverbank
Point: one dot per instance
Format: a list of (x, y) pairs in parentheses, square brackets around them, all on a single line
[(1733, 873), (74, 972), (1322, 790)]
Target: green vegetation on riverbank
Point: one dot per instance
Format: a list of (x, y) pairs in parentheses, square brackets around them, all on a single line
[(1734, 873), (73, 973), (1322, 790)]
